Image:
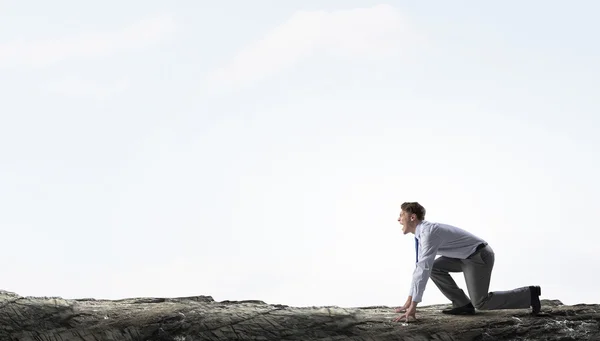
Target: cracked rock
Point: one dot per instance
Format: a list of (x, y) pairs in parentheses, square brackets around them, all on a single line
[(201, 318)]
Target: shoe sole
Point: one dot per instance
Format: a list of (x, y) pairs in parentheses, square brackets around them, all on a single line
[(536, 291)]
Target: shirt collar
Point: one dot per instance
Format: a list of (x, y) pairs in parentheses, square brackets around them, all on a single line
[(418, 229)]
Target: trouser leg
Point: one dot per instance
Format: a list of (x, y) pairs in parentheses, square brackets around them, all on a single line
[(478, 272), (440, 275)]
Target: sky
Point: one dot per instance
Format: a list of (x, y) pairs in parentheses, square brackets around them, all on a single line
[(261, 150)]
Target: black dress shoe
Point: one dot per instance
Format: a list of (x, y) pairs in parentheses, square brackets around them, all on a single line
[(536, 306), (468, 309)]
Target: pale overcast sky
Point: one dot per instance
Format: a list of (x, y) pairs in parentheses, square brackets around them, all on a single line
[(261, 149)]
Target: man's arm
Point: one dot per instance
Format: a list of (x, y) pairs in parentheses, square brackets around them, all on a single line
[(428, 247), (410, 296), (412, 283)]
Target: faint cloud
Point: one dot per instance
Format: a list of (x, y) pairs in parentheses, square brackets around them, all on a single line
[(377, 32), (99, 44), (75, 87)]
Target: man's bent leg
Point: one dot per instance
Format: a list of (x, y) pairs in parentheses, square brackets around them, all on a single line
[(478, 272), (442, 279)]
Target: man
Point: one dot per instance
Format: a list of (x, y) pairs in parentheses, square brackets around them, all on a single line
[(460, 251)]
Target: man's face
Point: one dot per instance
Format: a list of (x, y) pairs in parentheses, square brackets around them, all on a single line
[(406, 220)]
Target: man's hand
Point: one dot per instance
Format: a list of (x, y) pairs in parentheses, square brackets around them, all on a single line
[(412, 309), (405, 306)]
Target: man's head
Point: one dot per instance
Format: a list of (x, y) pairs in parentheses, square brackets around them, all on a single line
[(411, 214)]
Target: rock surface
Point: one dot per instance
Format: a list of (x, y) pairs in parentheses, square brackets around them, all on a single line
[(201, 318)]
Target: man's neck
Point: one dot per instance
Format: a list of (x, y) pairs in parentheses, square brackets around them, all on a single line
[(414, 229)]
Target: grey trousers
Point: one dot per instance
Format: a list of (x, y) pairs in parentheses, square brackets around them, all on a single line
[(477, 270)]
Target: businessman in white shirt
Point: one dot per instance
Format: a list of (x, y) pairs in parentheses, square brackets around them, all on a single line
[(460, 251)]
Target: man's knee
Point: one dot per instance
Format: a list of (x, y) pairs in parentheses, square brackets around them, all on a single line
[(480, 303), (436, 268), (480, 306), (437, 273)]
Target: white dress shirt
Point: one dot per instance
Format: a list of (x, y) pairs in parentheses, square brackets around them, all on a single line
[(438, 239)]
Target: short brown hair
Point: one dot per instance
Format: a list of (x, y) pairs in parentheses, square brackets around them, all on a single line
[(414, 207)]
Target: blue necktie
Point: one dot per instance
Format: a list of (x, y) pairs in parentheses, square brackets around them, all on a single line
[(416, 250)]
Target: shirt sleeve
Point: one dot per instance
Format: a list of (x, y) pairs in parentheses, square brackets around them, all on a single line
[(412, 283), (428, 247)]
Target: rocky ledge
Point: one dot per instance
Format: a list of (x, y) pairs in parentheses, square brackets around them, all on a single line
[(201, 318)]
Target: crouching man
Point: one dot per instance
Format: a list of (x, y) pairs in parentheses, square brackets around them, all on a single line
[(460, 251)]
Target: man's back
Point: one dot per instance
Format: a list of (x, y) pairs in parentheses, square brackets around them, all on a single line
[(452, 241)]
